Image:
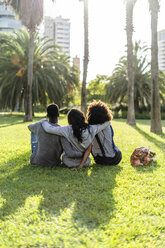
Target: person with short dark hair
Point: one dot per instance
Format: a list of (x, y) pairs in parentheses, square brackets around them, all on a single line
[(48, 149), (104, 150), (79, 134)]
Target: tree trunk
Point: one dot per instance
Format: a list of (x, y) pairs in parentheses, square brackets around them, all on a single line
[(136, 105), (156, 126), (130, 63), (28, 105), (86, 58)]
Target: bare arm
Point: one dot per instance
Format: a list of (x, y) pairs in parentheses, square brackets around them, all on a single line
[(86, 155)]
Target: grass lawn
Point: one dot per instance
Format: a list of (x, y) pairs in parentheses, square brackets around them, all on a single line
[(101, 206)]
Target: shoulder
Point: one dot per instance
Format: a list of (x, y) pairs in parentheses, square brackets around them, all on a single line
[(34, 125), (55, 124)]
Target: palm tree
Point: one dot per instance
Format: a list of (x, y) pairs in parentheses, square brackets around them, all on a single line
[(162, 86), (155, 97), (86, 57), (53, 77), (31, 14), (130, 61), (116, 88), (142, 87)]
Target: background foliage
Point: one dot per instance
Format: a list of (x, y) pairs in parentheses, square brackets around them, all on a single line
[(54, 79)]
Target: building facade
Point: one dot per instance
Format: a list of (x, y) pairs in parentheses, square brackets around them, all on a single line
[(7, 19), (76, 62), (58, 29), (161, 50)]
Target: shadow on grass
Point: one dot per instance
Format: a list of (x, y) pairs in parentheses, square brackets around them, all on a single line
[(158, 143), (89, 192), (10, 119), (7, 120), (147, 169), (162, 135), (161, 145)]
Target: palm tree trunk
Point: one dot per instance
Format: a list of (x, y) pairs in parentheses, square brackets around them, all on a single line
[(155, 97), (28, 105), (86, 58), (130, 63)]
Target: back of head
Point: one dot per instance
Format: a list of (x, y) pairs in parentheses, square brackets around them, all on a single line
[(98, 113), (53, 111), (77, 119)]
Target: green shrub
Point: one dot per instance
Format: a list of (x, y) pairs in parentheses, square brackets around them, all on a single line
[(124, 114), (64, 110), (143, 115), (163, 115)]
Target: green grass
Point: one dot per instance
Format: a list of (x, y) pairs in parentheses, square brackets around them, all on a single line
[(101, 206)]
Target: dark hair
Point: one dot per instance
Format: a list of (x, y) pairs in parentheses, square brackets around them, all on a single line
[(98, 113), (53, 110), (77, 119)]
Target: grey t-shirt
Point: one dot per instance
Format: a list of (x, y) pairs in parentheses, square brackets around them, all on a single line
[(71, 157), (66, 131), (105, 137), (49, 149)]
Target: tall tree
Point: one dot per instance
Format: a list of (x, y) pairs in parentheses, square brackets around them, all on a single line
[(86, 57), (116, 87), (31, 14), (130, 61), (155, 96), (162, 86), (53, 77)]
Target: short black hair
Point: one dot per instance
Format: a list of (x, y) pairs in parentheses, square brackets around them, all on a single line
[(53, 110)]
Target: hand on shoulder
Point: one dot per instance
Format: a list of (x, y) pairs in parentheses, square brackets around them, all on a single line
[(42, 120)]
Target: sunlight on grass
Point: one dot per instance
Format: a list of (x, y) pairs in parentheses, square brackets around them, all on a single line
[(99, 206), (89, 171)]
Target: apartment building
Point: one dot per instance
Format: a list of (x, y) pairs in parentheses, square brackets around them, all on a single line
[(161, 50), (8, 22), (58, 29)]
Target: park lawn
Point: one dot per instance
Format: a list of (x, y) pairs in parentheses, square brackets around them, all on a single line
[(99, 206)]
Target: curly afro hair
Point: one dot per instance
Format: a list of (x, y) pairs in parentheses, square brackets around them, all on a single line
[(98, 113)]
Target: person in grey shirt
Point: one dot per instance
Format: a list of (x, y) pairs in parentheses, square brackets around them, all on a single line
[(78, 133), (104, 150), (48, 149)]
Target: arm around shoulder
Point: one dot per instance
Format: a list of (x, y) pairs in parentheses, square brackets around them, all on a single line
[(32, 127), (62, 131), (100, 127)]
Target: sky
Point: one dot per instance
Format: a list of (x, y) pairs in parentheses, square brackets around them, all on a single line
[(107, 35)]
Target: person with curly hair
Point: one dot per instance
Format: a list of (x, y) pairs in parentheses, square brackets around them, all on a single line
[(104, 150), (79, 134)]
